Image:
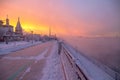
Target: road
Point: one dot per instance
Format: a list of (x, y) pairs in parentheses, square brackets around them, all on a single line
[(26, 64), (40, 62)]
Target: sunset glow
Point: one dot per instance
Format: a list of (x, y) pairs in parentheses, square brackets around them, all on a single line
[(59, 39), (65, 17)]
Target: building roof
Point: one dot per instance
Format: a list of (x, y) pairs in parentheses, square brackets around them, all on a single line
[(18, 26), (8, 26)]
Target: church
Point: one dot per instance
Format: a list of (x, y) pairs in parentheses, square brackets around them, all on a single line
[(18, 28), (8, 34)]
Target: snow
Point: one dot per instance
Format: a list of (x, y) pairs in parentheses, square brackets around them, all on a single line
[(27, 70), (53, 69), (14, 46), (36, 58), (92, 71), (40, 56), (68, 68)]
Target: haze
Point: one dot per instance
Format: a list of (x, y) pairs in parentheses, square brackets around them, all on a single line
[(65, 17)]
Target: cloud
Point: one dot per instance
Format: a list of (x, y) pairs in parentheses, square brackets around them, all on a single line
[(70, 16)]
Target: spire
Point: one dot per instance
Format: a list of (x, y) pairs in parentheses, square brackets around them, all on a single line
[(7, 20), (18, 23), (18, 28)]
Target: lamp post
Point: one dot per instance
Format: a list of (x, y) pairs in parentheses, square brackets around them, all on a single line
[(32, 36)]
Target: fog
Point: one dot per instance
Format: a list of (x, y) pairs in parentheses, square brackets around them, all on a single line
[(105, 50), (78, 17)]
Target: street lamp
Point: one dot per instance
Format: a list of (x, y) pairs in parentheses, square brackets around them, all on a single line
[(32, 36)]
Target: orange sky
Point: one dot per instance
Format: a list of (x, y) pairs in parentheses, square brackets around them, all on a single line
[(30, 17), (65, 17)]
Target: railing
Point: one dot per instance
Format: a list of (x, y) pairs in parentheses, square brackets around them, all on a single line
[(108, 70), (76, 67)]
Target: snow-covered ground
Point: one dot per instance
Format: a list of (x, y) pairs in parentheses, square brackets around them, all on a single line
[(92, 71), (68, 67), (53, 69), (14, 46), (36, 58), (52, 65)]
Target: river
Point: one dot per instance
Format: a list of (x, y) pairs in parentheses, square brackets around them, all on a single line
[(104, 50)]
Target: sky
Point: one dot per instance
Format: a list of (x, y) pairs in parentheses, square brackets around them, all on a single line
[(65, 17)]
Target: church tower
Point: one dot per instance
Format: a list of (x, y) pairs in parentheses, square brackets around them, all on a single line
[(18, 28), (7, 21)]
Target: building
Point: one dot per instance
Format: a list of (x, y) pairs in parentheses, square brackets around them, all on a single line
[(7, 33), (5, 30), (18, 28)]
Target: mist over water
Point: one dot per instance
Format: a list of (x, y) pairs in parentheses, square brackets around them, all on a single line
[(105, 50)]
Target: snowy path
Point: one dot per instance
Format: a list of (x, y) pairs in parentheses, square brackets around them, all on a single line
[(40, 62), (53, 69), (14, 46)]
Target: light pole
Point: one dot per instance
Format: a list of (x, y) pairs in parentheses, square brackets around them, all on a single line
[(32, 36)]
